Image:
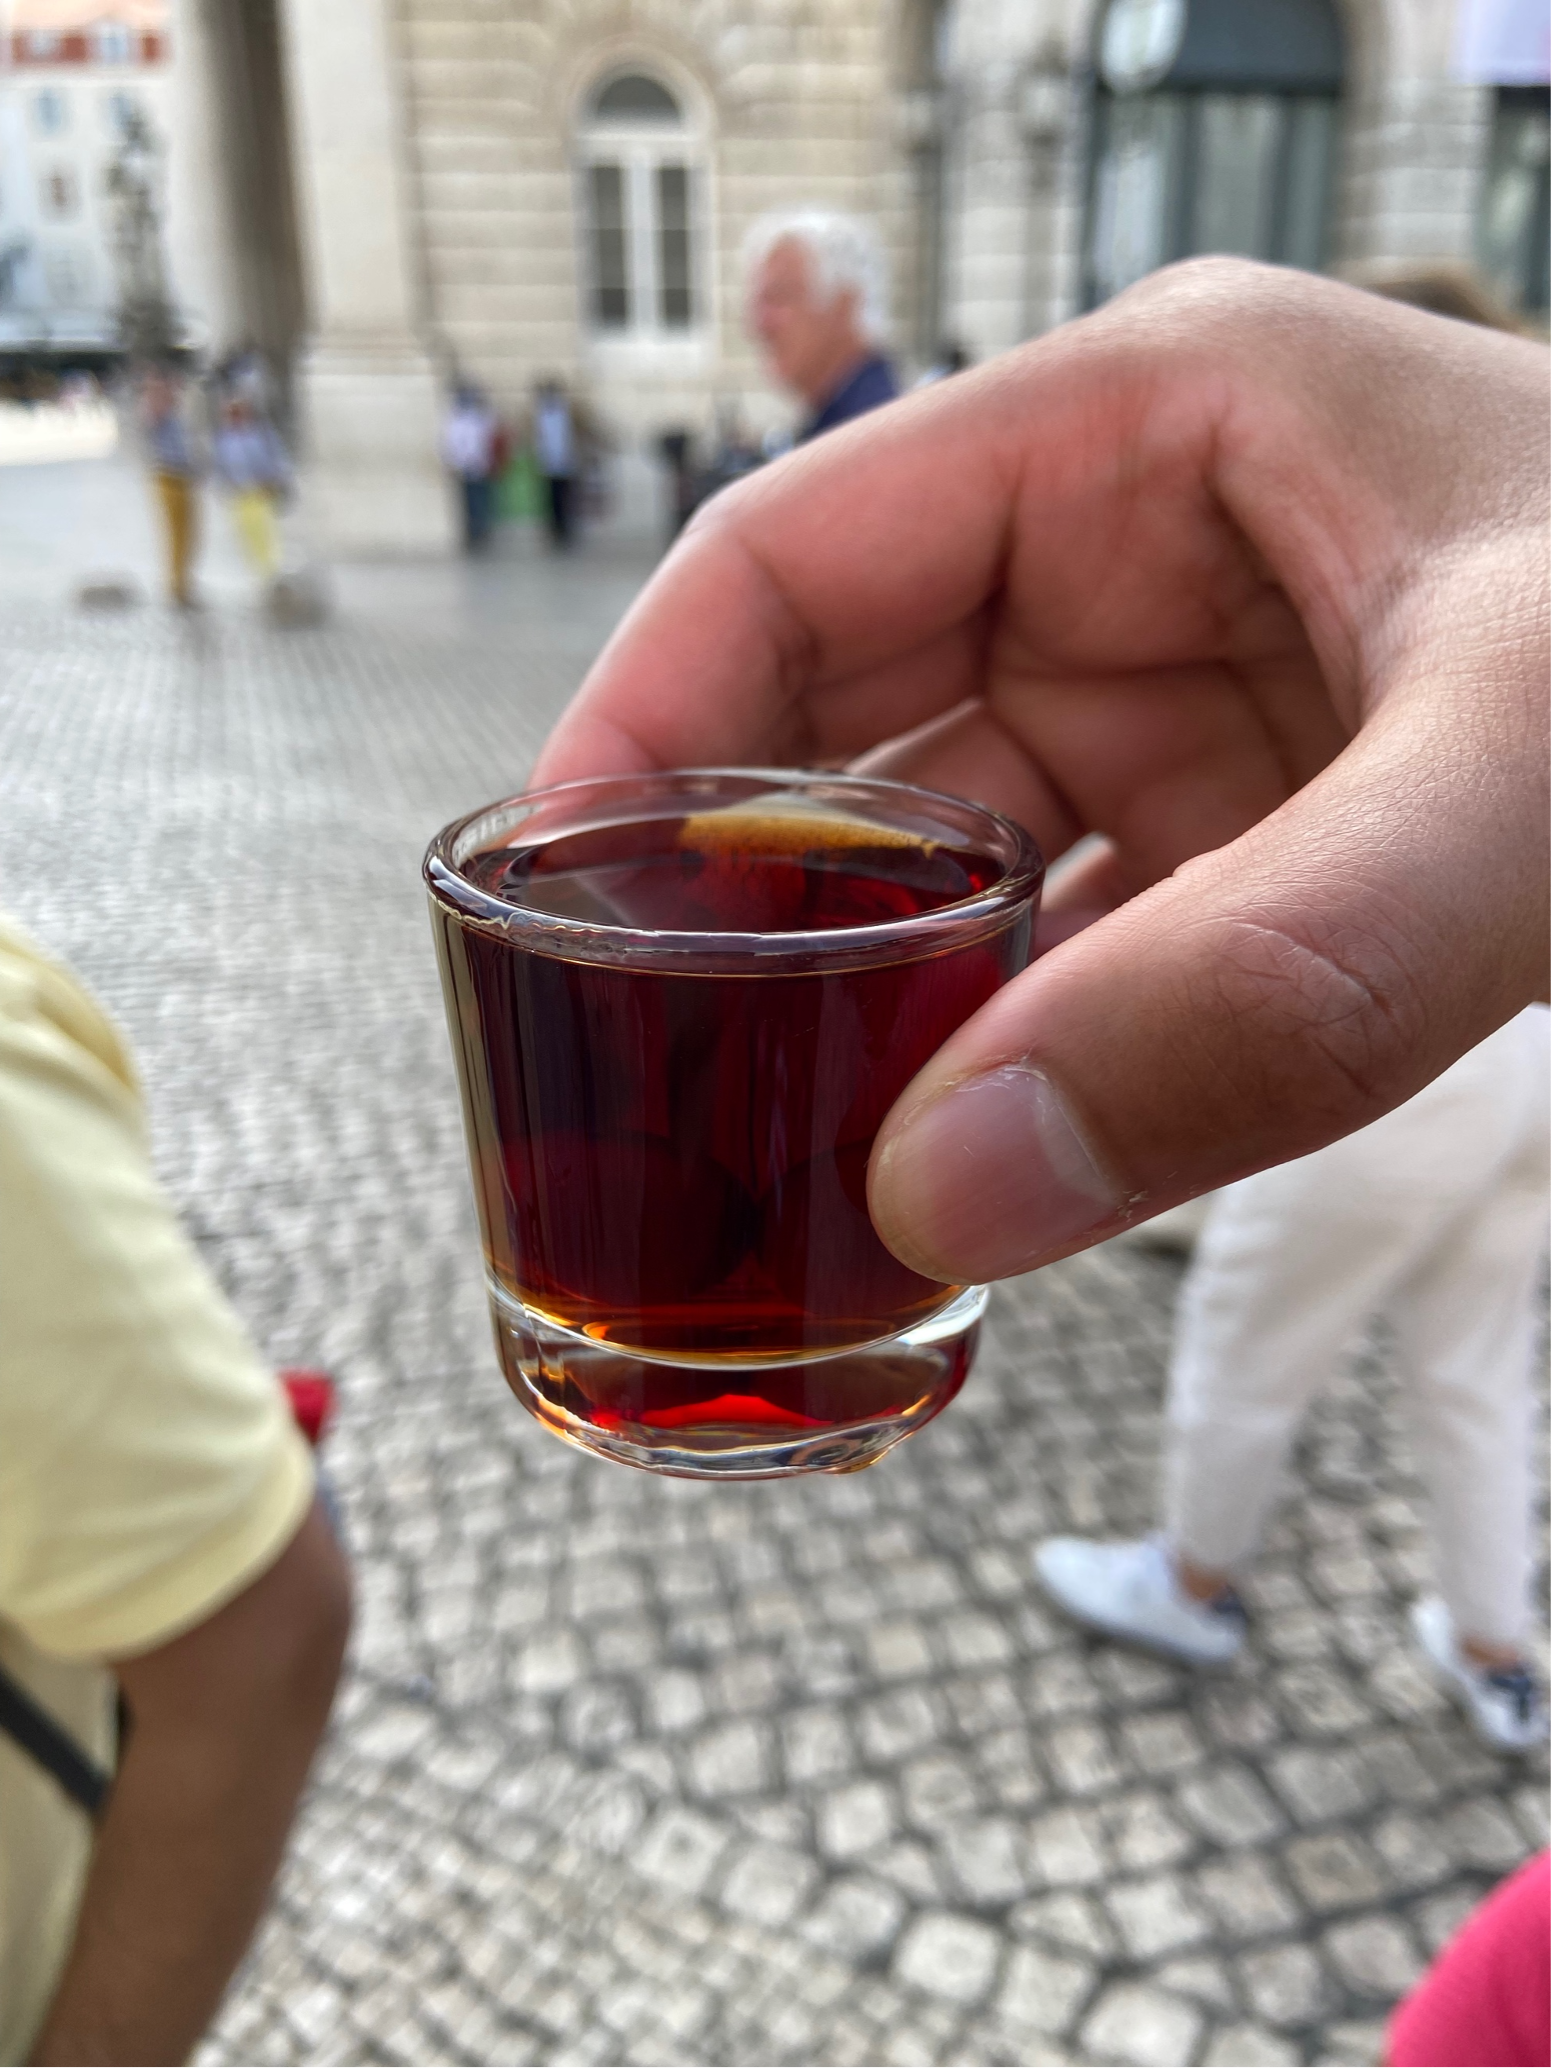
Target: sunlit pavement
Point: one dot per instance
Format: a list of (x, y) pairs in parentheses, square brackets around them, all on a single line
[(630, 1771)]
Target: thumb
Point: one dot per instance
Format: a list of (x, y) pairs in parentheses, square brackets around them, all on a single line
[(1266, 999)]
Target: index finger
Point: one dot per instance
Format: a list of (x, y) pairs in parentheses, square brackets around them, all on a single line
[(844, 579)]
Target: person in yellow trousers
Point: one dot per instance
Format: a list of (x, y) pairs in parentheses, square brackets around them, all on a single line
[(252, 464), (175, 472)]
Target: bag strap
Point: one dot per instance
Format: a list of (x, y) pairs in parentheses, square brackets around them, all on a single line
[(30, 1726)]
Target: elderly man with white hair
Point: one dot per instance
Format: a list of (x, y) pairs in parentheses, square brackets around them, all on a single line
[(816, 303)]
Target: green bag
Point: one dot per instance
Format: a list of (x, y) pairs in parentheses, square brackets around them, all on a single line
[(517, 492)]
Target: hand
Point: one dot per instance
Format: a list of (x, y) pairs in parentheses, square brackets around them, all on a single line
[(1245, 574)]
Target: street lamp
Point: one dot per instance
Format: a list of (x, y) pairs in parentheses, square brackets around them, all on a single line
[(145, 314)]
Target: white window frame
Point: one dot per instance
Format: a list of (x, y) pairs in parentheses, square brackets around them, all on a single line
[(57, 123), (640, 149), (113, 43), (67, 274)]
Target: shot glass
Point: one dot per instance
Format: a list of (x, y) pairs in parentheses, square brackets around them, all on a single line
[(681, 1006)]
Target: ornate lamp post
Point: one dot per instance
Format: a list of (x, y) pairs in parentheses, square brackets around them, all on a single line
[(135, 184)]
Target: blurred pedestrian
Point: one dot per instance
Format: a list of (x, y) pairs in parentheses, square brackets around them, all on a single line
[(469, 445), (555, 435), (251, 462), (676, 451), (1436, 1216), (817, 304), (247, 374), (736, 451), (174, 459), (173, 1602)]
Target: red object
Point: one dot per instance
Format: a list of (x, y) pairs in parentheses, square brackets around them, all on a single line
[(731, 1409), (31, 47), (1487, 1999), (312, 1395)]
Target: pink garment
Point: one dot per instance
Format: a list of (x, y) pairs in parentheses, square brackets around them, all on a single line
[(1487, 1999)]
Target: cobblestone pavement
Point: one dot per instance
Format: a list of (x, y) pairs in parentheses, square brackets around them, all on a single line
[(631, 1771)]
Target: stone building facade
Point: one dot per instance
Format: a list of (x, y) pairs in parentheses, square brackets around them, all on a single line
[(74, 82), (409, 189)]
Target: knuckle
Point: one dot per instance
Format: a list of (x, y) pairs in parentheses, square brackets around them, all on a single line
[(1213, 273), (1244, 308), (1214, 280), (1339, 1014)]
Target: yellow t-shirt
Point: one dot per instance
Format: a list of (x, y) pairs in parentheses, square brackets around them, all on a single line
[(149, 1467)]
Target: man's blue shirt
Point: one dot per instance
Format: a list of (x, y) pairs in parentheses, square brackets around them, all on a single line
[(872, 384)]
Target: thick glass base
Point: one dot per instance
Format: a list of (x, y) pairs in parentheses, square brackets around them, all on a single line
[(721, 1420)]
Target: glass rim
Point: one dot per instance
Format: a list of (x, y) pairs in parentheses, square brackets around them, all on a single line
[(904, 939)]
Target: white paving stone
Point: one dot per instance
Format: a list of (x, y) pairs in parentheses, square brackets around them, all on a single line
[(949, 1956), (1133, 2024)]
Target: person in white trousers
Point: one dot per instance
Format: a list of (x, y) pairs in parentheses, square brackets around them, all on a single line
[(1436, 1215)]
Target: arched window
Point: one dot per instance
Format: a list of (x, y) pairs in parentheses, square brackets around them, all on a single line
[(50, 112), (635, 97), (1214, 128), (639, 163)]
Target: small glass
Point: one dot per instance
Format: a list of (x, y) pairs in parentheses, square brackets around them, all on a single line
[(681, 1006)]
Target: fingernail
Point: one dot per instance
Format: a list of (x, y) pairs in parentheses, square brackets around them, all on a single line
[(989, 1179)]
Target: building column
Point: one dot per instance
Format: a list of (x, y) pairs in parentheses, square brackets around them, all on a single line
[(989, 200), (1055, 111), (369, 396), (1011, 134), (202, 227), (1415, 137), (1412, 174)]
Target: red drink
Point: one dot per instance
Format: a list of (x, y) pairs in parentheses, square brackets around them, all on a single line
[(678, 1030)]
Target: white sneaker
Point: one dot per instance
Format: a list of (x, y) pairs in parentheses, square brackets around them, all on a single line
[(1502, 1705), (1129, 1590)]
